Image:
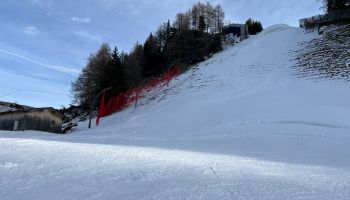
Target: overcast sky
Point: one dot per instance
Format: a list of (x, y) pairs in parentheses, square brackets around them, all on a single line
[(58, 35)]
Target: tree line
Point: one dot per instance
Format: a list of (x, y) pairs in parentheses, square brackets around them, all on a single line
[(193, 36), (202, 17), (254, 26)]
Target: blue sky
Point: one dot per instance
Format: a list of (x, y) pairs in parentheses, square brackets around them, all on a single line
[(50, 40)]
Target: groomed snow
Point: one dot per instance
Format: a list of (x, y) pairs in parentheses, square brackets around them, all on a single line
[(238, 126)]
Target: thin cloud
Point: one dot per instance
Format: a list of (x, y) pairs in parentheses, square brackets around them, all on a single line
[(85, 20), (67, 70), (88, 36), (31, 30)]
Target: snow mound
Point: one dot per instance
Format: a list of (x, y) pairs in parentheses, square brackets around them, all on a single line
[(276, 28)]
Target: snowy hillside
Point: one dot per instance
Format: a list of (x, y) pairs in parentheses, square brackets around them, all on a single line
[(238, 126), (327, 56)]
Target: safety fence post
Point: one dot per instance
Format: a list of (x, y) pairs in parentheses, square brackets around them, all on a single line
[(94, 101)]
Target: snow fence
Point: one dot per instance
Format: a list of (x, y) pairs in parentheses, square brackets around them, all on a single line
[(118, 103)]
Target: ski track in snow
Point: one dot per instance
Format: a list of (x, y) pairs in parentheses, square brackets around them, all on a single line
[(237, 126)]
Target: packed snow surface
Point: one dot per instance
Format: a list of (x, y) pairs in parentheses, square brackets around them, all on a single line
[(238, 126)]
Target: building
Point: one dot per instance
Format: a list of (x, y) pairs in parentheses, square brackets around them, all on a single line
[(236, 30), (38, 119), (338, 17)]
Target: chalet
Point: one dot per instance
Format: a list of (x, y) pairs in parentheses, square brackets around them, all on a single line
[(236, 30), (38, 119)]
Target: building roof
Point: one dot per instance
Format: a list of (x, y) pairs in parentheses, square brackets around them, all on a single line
[(52, 110), (7, 106), (234, 25)]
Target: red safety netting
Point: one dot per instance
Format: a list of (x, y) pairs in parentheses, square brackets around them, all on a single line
[(118, 103)]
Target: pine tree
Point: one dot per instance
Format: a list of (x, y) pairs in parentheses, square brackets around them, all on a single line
[(161, 36), (117, 77), (202, 25), (168, 30), (116, 60), (153, 58), (132, 65), (258, 27), (254, 27)]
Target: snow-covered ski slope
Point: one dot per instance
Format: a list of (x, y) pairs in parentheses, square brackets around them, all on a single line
[(238, 126)]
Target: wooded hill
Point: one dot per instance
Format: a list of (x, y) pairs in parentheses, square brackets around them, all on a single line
[(193, 36)]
